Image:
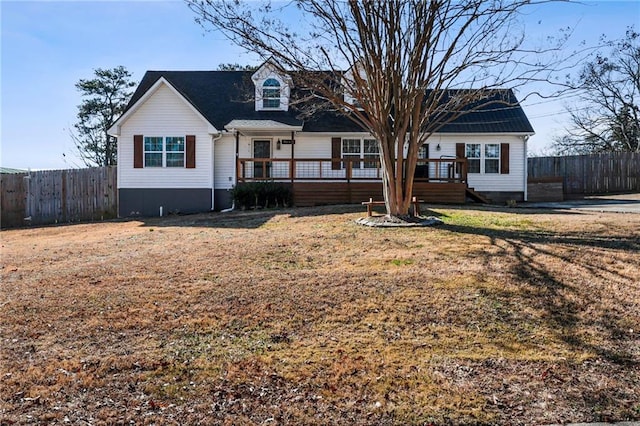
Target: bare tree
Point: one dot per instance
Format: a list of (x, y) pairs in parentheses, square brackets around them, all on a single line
[(608, 116), (104, 99), (390, 65)]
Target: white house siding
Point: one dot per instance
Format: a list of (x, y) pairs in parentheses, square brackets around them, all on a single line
[(319, 146), (225, 163), (493, 182), (165, 114), (315, 146), (312, 146)]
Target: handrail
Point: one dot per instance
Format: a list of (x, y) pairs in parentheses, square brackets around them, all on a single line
[(449, 170)]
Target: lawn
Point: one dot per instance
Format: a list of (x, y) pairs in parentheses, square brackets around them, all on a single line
[(302, 316)]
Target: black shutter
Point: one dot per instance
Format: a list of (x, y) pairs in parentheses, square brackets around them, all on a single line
[(138, 152), (336, 151), (504, 158), (191, 152)]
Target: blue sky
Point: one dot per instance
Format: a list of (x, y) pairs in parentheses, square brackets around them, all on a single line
[(47, 46)]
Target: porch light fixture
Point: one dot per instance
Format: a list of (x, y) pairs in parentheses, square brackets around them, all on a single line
[(278, 144), (438, 147)]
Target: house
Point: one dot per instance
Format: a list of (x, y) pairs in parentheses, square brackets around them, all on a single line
[(187, 138)]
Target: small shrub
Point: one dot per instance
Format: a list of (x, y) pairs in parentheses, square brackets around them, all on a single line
[(254, 195)]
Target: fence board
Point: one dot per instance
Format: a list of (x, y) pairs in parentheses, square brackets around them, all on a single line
[(59, 196), (590, 174), (12, 202)]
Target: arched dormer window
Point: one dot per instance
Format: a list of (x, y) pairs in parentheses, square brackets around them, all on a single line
[(271, 93)]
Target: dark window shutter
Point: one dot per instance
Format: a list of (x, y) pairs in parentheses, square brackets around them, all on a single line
[(336, 152), (138, 152), (191, 151), (504, 158), (460, 150)]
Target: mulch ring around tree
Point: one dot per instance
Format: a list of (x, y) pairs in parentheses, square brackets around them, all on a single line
[(397, 222)]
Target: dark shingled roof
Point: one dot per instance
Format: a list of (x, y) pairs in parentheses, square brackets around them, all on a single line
[(223, 96)]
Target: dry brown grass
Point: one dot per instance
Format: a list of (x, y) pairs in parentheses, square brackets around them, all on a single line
[(303, 317)]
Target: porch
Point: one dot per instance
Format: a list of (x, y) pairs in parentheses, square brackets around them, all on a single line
[(317, 181)]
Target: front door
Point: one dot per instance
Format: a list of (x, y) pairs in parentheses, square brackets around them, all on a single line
[(261, 149)]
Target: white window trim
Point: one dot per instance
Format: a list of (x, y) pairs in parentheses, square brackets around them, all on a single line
[(269, 98), (484, 161), (164, 152), (284, 94)]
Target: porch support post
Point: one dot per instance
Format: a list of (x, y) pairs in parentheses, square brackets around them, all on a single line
[(237, 134), (292, 168)]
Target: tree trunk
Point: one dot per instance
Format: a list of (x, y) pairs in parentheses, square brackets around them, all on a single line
[(397, 178)]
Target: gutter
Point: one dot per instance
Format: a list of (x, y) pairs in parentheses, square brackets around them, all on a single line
[(525, 139)]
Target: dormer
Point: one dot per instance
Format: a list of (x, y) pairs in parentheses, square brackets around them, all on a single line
[(350, 85), (272, 87)]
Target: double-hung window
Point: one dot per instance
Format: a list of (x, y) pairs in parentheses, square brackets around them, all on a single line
[(162, 151), (371, 154), (271, 93), (363, 153), (352, 150), (492, 158), (153, 151), (174, 151), (473, 154)]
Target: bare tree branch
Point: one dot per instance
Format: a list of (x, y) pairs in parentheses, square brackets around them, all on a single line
[(609, 86), (401, 69)]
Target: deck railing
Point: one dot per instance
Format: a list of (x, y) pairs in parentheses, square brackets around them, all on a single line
[(442, 170)]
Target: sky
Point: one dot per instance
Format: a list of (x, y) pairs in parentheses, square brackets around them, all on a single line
[(47, 46)]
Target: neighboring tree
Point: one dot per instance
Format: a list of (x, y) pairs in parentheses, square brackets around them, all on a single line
[(401, 58), (236, 67), (104, 99), (607, 118)]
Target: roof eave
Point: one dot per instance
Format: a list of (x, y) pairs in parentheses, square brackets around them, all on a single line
[(238, 125)]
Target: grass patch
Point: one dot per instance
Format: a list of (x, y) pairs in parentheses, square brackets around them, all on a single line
[(401, 262), (487, 219), (304, 317)]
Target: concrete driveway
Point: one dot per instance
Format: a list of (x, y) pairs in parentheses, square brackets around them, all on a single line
[(624, 203)]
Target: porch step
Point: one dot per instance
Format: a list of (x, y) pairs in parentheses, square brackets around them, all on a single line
[(471, 193)]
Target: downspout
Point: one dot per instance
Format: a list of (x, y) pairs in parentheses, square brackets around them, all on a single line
[(526, 167), (235, 171), (213, 168)]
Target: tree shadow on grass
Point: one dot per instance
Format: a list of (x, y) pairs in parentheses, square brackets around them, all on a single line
[(561, 301), (247, 219)]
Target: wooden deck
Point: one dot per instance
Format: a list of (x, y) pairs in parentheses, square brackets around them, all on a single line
[(320, 193), (341, 181)]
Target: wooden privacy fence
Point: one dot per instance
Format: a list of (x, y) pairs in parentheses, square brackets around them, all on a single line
[(58, 196), (590, 174)]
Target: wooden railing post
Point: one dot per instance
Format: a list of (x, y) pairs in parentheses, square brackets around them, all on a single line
[(292, 169), (464, 170)]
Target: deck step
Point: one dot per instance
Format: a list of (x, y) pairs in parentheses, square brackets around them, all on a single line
[(471, 193)]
